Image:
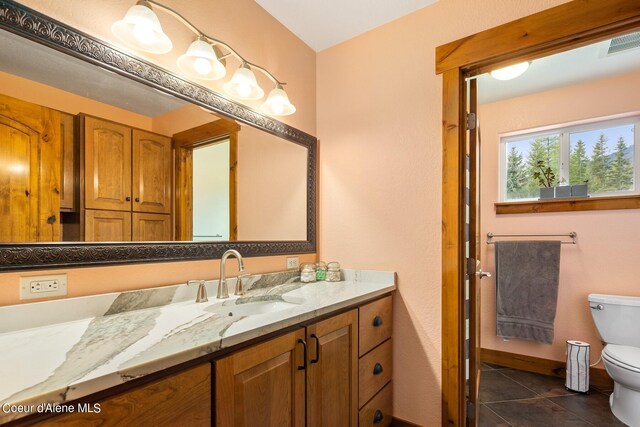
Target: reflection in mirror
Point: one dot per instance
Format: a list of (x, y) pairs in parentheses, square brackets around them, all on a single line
[(88, 155), (576, 112)]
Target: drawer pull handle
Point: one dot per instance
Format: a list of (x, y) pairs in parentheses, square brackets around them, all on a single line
[(378, 417), (128, 199), (304, 348), (377, 369), (377, 321)]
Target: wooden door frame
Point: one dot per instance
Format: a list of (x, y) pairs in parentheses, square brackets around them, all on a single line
[(573, 24), (184, 143)]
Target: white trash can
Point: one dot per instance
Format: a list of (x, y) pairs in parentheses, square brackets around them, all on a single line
[(577, 366)]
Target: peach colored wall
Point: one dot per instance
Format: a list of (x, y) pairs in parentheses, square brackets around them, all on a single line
[(379, 124), (603, 261), (181, 119), (254, 33), (37, 93), (272, 187)]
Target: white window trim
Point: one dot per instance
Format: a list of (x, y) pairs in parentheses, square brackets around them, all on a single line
[(565, 130)]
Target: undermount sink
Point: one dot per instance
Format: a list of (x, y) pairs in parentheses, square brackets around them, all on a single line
[(251, 309)]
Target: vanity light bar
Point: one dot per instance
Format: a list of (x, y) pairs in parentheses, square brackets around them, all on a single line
[(141, 30)]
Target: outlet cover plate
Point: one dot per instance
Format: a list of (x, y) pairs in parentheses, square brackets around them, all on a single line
[(293, 263), (45, 286)]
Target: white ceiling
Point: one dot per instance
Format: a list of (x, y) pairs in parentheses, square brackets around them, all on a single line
[(325, 23), (563, 69)]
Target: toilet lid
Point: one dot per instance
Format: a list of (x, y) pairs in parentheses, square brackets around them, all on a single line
[(623, 356)]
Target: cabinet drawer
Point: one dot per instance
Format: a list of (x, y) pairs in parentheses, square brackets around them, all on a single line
[(378, 412), (375, 323), (374, 371)]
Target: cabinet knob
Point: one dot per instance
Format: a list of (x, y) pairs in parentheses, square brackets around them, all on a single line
[(377, 369), (128, 199), (378, 417), (377, 321), (137, 199)]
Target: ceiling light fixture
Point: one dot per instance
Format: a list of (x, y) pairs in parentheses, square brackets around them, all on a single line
[(510, 72), (141, 30)]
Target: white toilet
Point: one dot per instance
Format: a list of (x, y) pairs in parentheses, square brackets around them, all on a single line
[(617, 319)]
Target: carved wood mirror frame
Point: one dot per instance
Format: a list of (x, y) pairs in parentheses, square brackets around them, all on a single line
[(41, 29), (564, 27)]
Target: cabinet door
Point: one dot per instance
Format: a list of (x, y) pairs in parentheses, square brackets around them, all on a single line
[(151, 172), (262, 385), (332, 375), (69, 174), (107, 226), (183, 399), (107, 162), (151, 227), (29, 172)]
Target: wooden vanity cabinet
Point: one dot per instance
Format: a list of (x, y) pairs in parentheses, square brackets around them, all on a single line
[(182, 399), (265, 384), (126, 172)]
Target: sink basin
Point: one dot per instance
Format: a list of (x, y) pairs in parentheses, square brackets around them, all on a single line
[(251, 309)]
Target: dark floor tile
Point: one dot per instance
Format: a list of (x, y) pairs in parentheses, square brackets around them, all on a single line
[(593, 408), (488, 418), (601, 389), (495, 387), (486, 367), (538, 412), (494, 366), (544, 385)]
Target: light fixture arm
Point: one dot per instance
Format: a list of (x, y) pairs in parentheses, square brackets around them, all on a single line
[(213, 40)]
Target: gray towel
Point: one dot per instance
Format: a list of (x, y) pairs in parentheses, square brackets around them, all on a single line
[(527, 275)]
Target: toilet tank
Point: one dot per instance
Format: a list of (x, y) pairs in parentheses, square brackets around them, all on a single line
[(617, 318)]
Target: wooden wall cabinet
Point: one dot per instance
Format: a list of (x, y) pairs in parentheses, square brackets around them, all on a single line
[(128, 171), (29, 172), (265, 384), (183, 399), (69, 174)]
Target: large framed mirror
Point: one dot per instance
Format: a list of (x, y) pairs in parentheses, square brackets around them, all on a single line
[(109, 159)]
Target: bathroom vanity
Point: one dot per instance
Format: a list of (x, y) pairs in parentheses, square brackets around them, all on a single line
[(282, 350)]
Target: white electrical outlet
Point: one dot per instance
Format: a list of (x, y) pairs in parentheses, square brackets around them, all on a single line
[(51, 285), (293, 262)]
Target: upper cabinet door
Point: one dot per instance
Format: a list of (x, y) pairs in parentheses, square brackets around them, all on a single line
[(151, 172), (69, 166), (332, 376), (107, 163), (29, 172)]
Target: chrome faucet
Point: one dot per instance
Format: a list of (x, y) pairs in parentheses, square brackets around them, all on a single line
[(223, 289)]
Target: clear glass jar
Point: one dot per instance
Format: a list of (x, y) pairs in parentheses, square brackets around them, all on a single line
[(333, 272), (321, 271), (308, 273)]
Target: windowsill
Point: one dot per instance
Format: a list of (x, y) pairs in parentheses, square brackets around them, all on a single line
[(569, 205)]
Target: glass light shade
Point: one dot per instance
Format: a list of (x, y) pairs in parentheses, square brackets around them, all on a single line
[(200, 61), (243, 84), (510, 72), (140, 29), (277, 103)]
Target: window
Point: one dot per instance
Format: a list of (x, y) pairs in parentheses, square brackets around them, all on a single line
[(605, 155)]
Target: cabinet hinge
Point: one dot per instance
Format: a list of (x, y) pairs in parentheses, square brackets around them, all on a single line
[(471, 121)]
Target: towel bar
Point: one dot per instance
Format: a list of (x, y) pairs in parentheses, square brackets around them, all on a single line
[(572, 235)]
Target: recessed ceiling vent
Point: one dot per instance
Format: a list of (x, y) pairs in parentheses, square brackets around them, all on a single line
[(622, 43)]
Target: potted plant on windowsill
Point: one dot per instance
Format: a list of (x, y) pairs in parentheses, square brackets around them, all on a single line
[(580, 190), (546, 178)]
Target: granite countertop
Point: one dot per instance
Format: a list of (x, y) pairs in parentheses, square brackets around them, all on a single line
[(58, 351)]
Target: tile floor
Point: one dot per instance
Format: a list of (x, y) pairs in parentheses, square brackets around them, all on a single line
[(509, 397)]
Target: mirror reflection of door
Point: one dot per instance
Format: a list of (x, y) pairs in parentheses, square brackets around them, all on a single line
[(206, 182), (211, 191)]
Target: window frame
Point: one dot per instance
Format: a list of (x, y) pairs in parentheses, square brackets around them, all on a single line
[(564, 130)]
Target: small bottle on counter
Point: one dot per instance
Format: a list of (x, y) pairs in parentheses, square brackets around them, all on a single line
[(333, 272), (308, 273), (321, 271)]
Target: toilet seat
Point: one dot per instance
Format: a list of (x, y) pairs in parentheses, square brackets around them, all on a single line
[(623, 356)]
